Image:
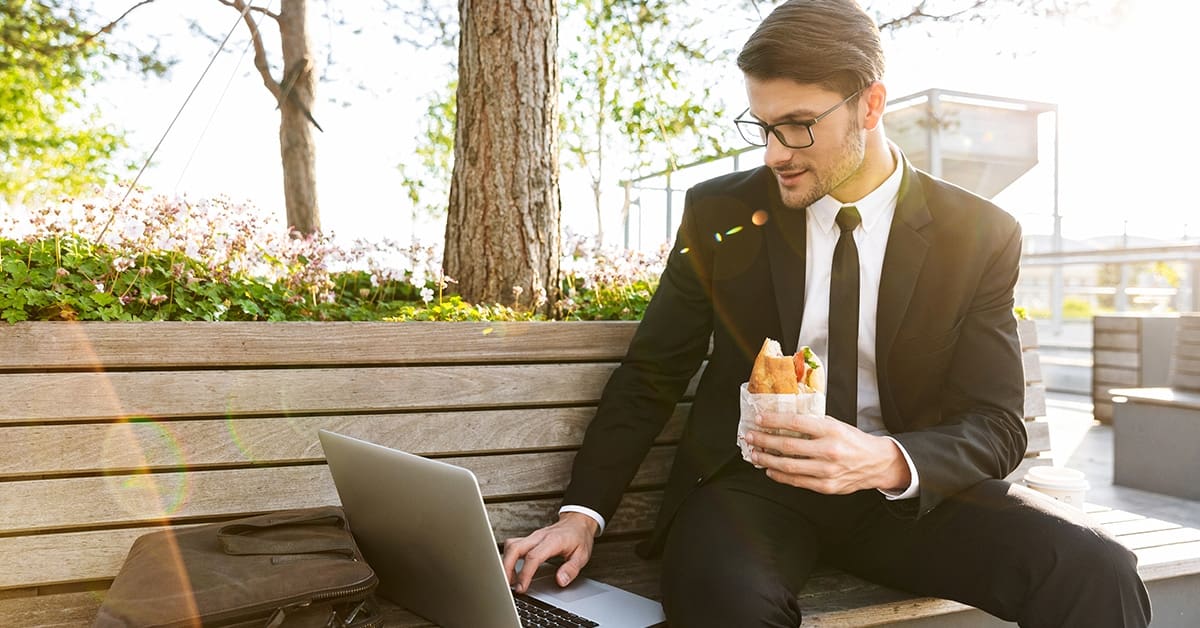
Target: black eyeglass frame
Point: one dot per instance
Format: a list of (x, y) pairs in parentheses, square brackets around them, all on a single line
[(763, 129)]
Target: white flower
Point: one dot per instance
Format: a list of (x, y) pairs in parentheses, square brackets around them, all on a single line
[(427, 294)]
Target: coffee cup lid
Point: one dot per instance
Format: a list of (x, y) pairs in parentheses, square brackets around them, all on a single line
[(1057, 477)]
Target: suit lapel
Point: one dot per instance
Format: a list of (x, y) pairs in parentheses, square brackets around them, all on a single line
[(902, 262), (786, 237)]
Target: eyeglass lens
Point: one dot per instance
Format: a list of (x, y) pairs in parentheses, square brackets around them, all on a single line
[(793, 135)]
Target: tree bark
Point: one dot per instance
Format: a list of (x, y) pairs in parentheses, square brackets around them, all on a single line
[(296, 145), (502, 225)]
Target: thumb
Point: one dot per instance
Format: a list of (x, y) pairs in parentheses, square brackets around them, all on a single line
[(570, 569)]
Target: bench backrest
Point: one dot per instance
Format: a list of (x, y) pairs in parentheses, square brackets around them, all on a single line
[(1185, 358), (112, 430)]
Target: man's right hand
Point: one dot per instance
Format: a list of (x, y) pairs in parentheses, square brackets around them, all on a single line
[(571, 538)]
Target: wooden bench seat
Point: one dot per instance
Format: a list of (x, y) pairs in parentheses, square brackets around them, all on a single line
[(1155, 430), (112, 430)]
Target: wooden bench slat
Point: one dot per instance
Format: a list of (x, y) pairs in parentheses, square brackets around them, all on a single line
[(1118, 322), (1038, 433), (1116, 359), (1111, 377), (1027, 333), (1168, 561), (37, 450), (42, 397), (1160, 538), (1110, 516), (57, 345), (66, 396), (37, 505), (1136, 526), (1033, 366), (635, 515), (1118, 340), (1035, 400), (50, 559), (1159, 396), (66, 610)]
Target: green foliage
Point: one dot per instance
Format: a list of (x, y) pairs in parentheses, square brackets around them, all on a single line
[(1076, 308), (69, 278), (455, 309), (611, 302), (429, 188), (50, 142), (623, 84)]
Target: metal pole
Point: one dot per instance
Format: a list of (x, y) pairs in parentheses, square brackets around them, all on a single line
[(935, 133), (1056, 273), (670, 193), (1193, 304), (1122, 301), (628, 210)]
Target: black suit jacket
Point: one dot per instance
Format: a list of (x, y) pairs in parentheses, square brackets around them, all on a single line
[(951, 385)]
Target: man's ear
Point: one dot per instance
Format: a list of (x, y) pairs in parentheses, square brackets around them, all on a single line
[(874, 99)]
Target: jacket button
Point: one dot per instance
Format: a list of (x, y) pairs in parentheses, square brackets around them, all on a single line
[(699, 480)]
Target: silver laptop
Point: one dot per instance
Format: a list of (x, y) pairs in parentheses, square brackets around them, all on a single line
[(422, 526)]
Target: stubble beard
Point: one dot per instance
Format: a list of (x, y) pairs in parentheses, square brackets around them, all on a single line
[(827, 180)]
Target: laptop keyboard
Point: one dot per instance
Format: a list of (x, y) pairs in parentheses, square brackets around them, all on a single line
[(535, 613)]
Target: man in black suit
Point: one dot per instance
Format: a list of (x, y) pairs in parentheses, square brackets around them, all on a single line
[(904, 285)]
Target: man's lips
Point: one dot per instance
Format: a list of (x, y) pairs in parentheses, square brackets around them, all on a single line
[(790, 177)]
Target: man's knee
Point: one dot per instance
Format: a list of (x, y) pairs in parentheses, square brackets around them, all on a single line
[(699, 595), (1094, 570), (718, 569)]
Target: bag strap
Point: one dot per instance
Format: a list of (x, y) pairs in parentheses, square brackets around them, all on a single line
[(307, 531)]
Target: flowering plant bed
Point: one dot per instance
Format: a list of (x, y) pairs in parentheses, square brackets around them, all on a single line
[(153, 258)]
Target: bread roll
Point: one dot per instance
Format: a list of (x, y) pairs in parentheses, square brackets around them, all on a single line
[(773, 372)]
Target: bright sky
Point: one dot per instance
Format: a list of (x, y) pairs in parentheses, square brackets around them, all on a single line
[(1126, 129)]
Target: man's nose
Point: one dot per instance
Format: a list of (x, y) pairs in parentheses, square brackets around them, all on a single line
[(776, 154)]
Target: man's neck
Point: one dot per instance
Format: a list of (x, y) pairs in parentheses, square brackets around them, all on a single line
[(878, 164)]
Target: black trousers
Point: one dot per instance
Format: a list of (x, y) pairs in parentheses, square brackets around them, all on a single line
[(742, 545)]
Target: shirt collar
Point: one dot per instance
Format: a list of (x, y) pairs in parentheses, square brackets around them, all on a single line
[(876, 204)]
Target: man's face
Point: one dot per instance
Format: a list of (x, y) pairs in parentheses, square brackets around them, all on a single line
[(839, 143)]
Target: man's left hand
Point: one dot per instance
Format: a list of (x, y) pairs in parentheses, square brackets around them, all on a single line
[(837, 459)]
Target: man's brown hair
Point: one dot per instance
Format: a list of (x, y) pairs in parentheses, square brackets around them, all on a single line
[(831, 43)]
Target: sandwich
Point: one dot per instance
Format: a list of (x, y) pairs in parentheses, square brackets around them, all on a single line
[(775, 373)]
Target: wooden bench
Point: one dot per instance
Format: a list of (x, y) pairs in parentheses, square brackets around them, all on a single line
[(1156, 430), (112, 430)]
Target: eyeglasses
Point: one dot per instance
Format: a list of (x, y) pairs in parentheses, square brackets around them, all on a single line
[(790, 134)]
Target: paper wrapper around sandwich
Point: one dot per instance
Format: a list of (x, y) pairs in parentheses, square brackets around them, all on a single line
[(755, 403)]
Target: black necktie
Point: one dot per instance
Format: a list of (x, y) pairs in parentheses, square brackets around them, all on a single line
[(842, 402)]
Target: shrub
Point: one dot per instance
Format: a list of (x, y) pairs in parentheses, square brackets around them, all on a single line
[(154, 258)]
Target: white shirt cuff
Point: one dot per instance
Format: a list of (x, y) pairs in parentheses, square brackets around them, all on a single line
[(584, 510), (914, 488)]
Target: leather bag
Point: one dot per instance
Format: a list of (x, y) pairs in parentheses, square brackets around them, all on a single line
[(295, 568)]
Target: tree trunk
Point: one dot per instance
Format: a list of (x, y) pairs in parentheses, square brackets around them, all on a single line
[(296, 143), (502, 227)]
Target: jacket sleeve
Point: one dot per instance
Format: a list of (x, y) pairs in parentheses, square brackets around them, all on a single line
[(666, 352), (981, 434)]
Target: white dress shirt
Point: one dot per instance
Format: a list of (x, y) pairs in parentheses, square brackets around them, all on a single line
[(877, 209)]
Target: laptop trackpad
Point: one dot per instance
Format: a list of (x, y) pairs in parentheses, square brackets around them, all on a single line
[(582, 588)]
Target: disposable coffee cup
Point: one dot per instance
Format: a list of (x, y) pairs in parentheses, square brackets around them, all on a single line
[(1066, 485)]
